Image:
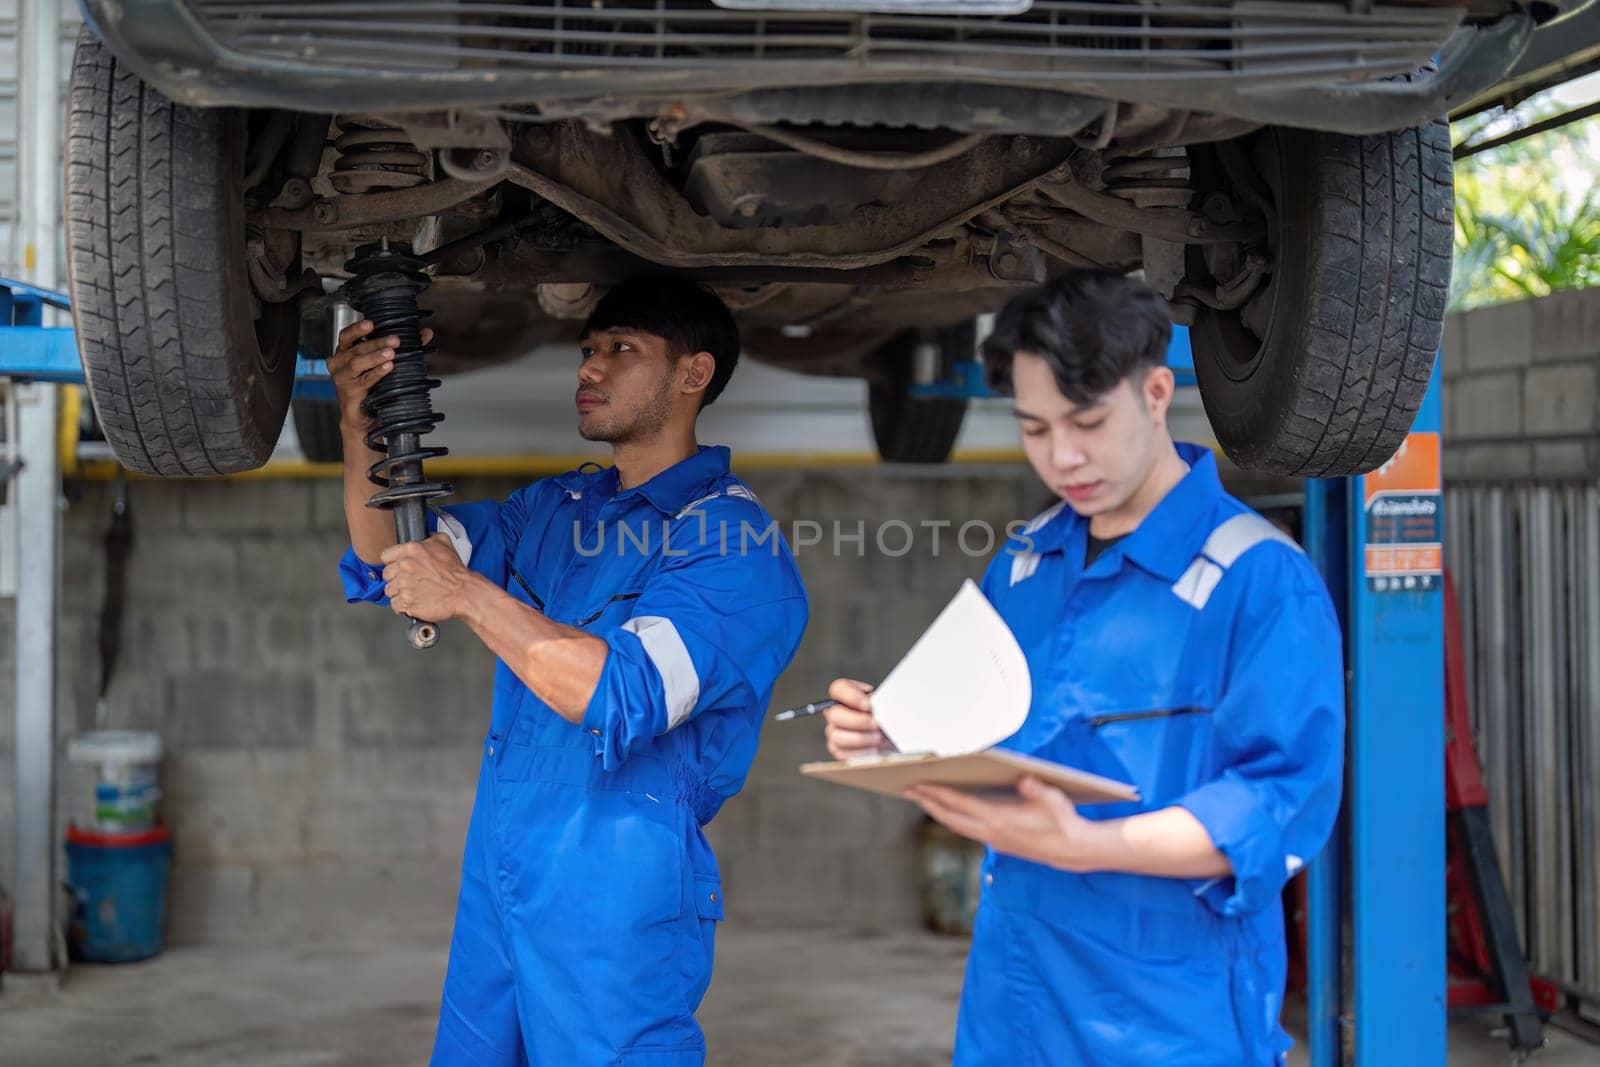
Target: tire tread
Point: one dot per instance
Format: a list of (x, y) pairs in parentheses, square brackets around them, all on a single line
[(171, 368), (1353, 366)]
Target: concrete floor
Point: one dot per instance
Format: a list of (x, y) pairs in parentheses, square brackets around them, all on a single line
[(782, 998)]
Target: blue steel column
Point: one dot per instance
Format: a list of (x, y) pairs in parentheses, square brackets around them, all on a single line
[(1324, 531), (1395, 807)]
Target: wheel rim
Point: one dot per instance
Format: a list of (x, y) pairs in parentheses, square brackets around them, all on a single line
[(272, 261), (1241, 335), (276, 337), (276, 323)]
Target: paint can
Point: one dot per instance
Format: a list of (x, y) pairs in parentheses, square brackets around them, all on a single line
[(118, 780)]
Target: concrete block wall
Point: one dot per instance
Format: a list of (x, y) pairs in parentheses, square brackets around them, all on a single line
[(320, 773), (1522, 389)]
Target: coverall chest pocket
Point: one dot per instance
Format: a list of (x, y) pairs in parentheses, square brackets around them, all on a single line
[(606, 614), (1164, 751), (599, 595)]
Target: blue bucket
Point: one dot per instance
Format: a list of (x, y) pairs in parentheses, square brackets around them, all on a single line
[(119, 888)]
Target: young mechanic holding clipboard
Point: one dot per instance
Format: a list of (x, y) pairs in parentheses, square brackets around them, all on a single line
[(1178, 641)]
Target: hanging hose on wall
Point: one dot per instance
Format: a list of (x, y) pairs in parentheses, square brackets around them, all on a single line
[(118, 546), (385, 282)]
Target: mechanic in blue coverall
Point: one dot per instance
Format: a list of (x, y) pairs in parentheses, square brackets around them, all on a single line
[(640, 614), (1178, 641)]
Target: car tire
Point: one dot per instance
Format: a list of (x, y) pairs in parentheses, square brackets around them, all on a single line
[(316, 427), (316, 417), (188, 372), (918, 429), (1325, 378)]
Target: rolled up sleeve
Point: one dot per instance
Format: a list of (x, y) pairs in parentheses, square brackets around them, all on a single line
[(1279, 739), (484, 534), (363, 581), (707, 634)]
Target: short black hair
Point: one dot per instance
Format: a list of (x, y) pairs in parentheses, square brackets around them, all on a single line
[(1095, 328), (690, 319)]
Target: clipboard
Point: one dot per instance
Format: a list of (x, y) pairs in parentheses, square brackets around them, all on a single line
[(992, 771), (961, 690)]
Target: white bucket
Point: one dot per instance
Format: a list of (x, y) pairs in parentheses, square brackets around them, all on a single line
[(118, 780)]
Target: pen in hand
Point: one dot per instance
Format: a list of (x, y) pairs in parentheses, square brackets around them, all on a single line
[(810, 709), (807, 709)]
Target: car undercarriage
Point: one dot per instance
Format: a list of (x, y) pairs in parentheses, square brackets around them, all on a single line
[(858, 180)]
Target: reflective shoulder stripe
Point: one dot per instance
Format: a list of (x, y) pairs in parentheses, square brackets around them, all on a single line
[(738, 489), (1222, 550), (1239, 535), (691, 505), (1038, 522), (1197, 582), (451, 526), (665, 647), (1023, 564)]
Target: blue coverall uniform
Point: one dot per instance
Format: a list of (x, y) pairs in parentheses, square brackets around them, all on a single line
[(589, 895), (1200, 659)]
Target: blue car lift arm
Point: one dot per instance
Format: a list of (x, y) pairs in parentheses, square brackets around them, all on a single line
[(967, 380), (30, 350), (33, 352)]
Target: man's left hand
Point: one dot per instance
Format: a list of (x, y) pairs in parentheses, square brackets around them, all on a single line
[(1041, 824), (425, 579)]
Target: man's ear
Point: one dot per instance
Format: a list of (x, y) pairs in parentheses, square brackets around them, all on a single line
[(697, 371), (1159, 387)]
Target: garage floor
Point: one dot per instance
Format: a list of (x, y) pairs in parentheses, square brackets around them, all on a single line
[(783, 998)]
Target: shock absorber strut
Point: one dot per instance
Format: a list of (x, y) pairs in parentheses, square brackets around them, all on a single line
[(385, 282)]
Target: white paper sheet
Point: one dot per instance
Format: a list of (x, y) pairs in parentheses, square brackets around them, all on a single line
[(964, 685)]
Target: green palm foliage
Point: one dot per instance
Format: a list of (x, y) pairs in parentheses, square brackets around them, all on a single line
[(1528, 218)]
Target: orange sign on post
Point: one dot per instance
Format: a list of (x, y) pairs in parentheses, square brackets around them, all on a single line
[(1404, 519)]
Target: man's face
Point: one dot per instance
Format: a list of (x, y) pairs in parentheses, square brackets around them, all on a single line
[(1094, 456), (626, 385)]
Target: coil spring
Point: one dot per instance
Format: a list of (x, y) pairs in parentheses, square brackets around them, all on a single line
[(374, 156), (386, 280)]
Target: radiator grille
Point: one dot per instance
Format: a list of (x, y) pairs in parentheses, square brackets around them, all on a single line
[(1269, 41)]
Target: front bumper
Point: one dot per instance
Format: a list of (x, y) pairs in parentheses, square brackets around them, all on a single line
[(1274, 62)]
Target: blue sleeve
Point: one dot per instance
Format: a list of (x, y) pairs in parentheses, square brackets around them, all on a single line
[(363, 581), (484, 534), (1279, 739), (711, 632), (997, 577), (1008, 565)]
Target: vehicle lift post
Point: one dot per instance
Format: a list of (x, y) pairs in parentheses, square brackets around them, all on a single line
[(1378, 541), (36, 358), (1386, 579), (33, 490)]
